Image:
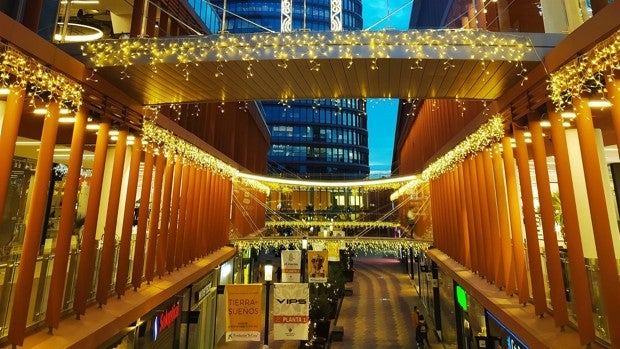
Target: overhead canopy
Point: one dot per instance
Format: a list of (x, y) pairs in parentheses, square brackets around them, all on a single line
[(466, 64)]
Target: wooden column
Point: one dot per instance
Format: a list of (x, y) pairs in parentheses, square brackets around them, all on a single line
[(143, 213), (35, 218), (65, 226), (436, 221), (137, 17), (86, 265), (181, 239), (228, 202), (189, 240), (174, 214), (613, 93), (577, 271), (598, 5), (162, 239), (473, 248), (515, 221), (455, 233), (151, 251), (128, 217), (458, 221), (200, 198), (610, 284), (531, 230), (32, 14), (8, 137), (484, 218), (496, 250), (151, 18), (503, 217), (464, 220), (200, 202), (552, 251), (451, 225), (478, 232), (211, 213), (109, 231)]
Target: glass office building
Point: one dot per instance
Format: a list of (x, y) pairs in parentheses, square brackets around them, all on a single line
[(321, 138)]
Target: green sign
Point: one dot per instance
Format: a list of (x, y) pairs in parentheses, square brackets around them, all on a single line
[(461, 297)]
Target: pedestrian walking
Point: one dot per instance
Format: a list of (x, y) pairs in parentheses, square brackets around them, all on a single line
[(421, 333), (415, 316)]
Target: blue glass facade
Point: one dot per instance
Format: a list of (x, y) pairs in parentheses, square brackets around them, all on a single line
[(323, 138)]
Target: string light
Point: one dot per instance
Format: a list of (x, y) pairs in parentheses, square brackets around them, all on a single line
[(583, 74), (223, 48), (165, 142), (326, 224), (490, 132), (17, 69), (360, 244)]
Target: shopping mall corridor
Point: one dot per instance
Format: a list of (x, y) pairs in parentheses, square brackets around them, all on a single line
[(377, 315)]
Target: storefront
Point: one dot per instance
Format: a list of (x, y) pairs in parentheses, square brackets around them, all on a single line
[(199, 325), (159, 328), (499, 336)]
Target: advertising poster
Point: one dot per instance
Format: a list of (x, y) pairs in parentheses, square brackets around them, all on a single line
[(243, 312), (317, 266), (333, 249), (291, 311), (291, 265)]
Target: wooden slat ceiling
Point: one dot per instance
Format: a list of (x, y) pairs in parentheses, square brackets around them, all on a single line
[(329, 77)]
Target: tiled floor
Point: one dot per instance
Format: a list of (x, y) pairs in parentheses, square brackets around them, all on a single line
[(377, 315)]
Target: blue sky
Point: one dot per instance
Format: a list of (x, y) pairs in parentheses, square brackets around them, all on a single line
[(382, 112)]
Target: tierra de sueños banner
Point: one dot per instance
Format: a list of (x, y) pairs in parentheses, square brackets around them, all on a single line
[(243, 312)]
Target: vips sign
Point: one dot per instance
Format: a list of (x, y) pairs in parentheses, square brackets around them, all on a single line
[(291, 265), (291, 311), (243, 303)]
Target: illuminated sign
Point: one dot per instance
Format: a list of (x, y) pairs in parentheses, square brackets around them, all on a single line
[(199, 295), (461, 297), (166, 319), (512, 341)]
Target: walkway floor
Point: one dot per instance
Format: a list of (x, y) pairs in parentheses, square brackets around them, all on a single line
[(377, 315)]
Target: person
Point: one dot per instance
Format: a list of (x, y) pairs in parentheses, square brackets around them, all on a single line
[(317, 266), (415, 316), (421, 333)]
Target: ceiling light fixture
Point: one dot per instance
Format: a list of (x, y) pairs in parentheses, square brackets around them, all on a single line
[(599, 103), (66, 119), (96, 33)]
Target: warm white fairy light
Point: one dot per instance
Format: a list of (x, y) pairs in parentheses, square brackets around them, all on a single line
[(417, 44), (586, 73), (17, 69), (360, 244), (490, 132)]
